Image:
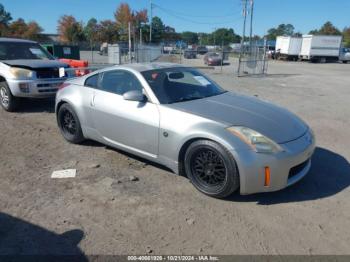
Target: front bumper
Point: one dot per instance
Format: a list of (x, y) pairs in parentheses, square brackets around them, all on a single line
[(286, 168), (38, 88), (214, 63)]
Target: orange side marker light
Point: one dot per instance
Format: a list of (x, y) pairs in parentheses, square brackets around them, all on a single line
[(267, 176)]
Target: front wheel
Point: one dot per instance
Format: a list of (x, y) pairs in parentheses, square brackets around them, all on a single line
[(7, 100), (211, 168), (69, 124)]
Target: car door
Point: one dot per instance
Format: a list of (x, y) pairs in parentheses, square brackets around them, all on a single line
[(127, 124)]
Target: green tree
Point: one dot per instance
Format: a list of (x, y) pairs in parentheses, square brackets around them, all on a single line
[(224, 36), (5, 18), (282, 29), (327, 29), (91, 31), (157, 29), (346, 36), (108, 31), (189, 37)]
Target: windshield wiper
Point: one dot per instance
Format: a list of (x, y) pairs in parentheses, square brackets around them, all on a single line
[(184, 99)]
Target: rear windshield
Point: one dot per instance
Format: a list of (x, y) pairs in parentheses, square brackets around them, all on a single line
[(16, 50)]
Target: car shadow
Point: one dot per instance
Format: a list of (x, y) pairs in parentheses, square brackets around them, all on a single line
[(24, 241), (329, 175), (269, 75), (92, 143), (33, 105)]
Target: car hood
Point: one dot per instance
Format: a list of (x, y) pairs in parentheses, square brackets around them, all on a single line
[(276, 123), (34, 63)]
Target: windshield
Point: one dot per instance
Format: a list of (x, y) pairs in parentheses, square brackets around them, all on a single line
[(173, 85), (18, 50)]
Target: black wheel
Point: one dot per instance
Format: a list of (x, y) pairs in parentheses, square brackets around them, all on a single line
[(211, 168), (7, 100), (69, 124)]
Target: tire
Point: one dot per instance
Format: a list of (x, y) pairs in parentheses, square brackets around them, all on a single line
[(211, 169), (7, 101), (69, 124)]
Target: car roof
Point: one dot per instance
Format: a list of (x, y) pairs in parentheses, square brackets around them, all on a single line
[(15, 40), (141, 67)]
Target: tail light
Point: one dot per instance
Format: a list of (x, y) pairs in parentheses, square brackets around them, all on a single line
[(63, 85)]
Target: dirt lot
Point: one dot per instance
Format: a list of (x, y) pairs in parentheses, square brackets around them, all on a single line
[(102, 211)]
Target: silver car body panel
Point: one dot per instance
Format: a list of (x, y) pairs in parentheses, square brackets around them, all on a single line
[(158, 132)]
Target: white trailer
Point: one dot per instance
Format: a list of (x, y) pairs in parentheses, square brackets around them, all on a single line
[(320, 48), (288, 47)]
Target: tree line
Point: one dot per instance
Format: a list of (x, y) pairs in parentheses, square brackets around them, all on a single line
[(73, 32), (327, 29)]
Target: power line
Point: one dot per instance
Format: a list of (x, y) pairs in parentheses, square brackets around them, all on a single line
[(196, 22), (198, 16)]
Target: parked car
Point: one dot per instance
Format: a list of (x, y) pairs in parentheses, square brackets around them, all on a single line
[(27, 70), (178, 117), (202, 50), (212, 58), (344, 55), (190, 54)]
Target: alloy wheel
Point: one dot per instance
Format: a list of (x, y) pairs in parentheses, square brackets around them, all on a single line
[(208, 168), (4, 97), (68, 123)]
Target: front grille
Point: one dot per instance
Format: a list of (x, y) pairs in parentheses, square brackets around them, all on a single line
[(47, 73), (297, 169), (48, 87), (48, 90)]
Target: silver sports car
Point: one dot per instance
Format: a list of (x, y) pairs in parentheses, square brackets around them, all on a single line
[(178, 117)]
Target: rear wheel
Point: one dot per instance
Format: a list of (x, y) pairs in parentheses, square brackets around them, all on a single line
[(211, 169), (7, 100), (69, 124)]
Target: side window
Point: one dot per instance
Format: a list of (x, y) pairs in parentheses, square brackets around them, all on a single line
[(119, 82), (92, 81)]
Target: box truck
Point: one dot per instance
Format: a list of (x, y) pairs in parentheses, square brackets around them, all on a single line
[(288, 47), (320, 48)]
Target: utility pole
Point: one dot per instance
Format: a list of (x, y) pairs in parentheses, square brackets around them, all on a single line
[(129, 27), (150, 21), (140, 35), (215, 37), (251, 23), (245, 3)]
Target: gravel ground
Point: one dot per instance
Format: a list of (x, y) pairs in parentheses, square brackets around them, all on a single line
[(119, 204)]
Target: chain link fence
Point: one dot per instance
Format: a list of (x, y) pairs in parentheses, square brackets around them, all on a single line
[(118, 54), (252, 61)]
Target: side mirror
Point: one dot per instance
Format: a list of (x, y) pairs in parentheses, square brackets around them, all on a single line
[(134, 95)]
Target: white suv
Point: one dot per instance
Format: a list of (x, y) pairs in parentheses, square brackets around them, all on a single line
[(27, 70)]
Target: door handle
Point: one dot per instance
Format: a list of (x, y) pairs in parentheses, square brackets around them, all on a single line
[(92, 101)]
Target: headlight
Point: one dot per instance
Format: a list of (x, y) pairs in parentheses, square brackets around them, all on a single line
[(257, 141), (21, 73)]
